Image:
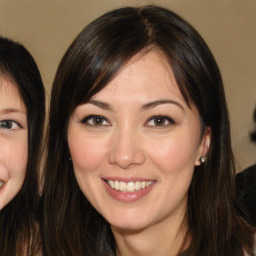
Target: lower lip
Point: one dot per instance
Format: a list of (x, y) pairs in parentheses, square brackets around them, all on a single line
[(127, 197)]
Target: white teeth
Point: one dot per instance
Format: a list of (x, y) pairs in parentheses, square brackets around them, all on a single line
[(1, 183), (129, 186), (148, 183), (138, 185), (116, 185), (122, 186), (111, 183)]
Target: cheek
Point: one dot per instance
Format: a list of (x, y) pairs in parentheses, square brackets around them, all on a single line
[(13, 165), (87, 153), (174, 154), (15, 158), (22, 159), (19, 170)]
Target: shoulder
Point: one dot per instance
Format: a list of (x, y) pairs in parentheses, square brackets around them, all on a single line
[(246, 180), (246, 191), (248, 175), (249, 171)]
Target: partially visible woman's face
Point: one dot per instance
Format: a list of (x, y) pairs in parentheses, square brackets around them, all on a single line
[(134, 146), (13, 141)]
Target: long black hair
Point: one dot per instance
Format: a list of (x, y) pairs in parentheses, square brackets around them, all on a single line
[(71, 226), (19, 231)]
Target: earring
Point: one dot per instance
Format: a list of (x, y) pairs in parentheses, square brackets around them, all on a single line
[(202, 159), (70, 159)]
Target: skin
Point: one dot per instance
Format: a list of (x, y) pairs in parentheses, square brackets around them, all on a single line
[(13, 141), (128, 143)]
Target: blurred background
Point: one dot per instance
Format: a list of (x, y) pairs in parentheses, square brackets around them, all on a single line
[(47, 27)]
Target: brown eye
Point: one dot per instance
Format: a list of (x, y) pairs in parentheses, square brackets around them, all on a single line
[(160, 121), (95, 120)]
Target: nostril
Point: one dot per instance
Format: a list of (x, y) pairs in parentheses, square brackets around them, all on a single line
[(126, 161), (126, 151)]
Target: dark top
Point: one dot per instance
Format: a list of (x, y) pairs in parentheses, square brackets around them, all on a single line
[(246, 191)]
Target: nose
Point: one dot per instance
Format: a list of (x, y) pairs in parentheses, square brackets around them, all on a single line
[(126, 149)]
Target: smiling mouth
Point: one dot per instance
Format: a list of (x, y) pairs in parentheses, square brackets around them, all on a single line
[(1, 183), (129, 186)]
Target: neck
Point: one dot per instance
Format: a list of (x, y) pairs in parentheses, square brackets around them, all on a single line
[(165, 238)]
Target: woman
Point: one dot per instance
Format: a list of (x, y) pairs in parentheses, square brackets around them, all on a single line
[(139, 156), (22, 111)]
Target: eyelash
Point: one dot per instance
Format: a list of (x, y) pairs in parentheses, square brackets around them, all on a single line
[(167, 119), (10, 124), (104, 121), (93, 118)]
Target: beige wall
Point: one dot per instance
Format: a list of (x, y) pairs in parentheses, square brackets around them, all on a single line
[(47, 27)]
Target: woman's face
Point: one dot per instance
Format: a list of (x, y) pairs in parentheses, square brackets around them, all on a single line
[(135, 144), (13, 141)]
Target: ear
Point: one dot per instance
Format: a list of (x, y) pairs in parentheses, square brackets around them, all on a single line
[(204, 146)]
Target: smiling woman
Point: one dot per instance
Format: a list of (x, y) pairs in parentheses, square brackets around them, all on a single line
[(13, 137), (21, 128), (139, 155), (129, 144)]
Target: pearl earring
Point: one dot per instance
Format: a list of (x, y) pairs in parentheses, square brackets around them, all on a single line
[(202, 159)]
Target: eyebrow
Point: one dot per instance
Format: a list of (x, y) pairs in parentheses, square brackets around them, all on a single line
[(150, 105), (11, 110), (101, 104), (160, 102)]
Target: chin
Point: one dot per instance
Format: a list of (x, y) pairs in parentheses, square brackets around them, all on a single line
[(133, 228), (129, 223)]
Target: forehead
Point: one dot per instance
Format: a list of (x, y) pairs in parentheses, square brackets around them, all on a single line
[(146, 75), (10, 96)]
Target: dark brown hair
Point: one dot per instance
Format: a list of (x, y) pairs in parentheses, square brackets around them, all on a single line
[(19, 229), (71, 226)]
